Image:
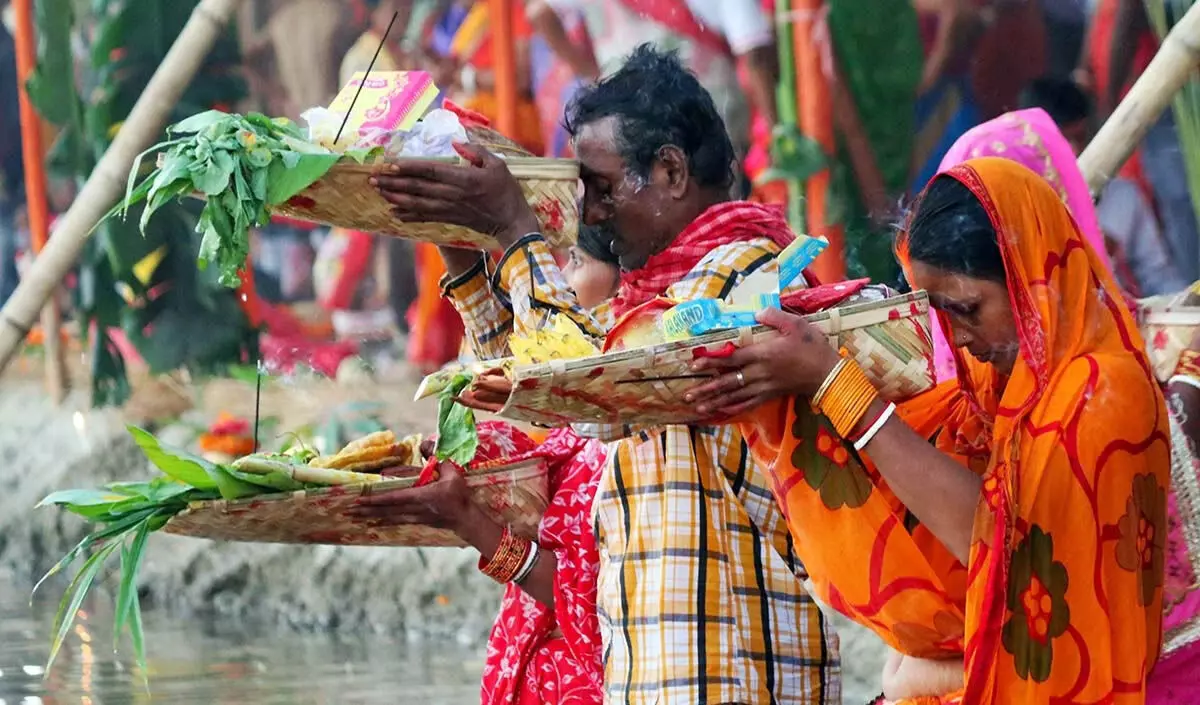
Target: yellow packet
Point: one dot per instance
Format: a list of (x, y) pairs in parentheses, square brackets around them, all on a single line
[(563, 340)]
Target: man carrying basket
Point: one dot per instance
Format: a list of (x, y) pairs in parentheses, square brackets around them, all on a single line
[(701, 596)]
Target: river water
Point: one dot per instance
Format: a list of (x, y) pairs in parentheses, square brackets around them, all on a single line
[(199, 661)]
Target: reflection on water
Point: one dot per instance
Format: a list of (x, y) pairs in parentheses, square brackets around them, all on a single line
[(192, 661)]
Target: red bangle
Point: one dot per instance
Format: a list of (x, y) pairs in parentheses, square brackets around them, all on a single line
[(508, 559)]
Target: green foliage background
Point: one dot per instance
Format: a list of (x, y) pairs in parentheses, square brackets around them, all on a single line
[(95, 58)]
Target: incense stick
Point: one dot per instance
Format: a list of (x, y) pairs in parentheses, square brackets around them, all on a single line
[(257, 401), (378, 50)]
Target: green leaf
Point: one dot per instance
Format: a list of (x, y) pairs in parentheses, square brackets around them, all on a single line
[(457, 438), (127, 595), (797, 156), (363, 155), (231, 487), (82, 498), (138, 638), (175, 462), (174, 168), (259, 157), (284, 182), (73, 598), (52, 85), (259, 185), (160, 489), (112, 530), (134, 197), (212, 177), (202, 121), (271, 481), (137, 167)]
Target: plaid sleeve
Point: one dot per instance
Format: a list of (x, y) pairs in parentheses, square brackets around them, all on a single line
[(720, 270), (486, 317), (533, 284)]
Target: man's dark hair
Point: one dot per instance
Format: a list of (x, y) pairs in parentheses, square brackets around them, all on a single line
[(1061, 98), (657, 102)]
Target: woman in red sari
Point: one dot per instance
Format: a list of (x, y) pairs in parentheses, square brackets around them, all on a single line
[(545, 644)]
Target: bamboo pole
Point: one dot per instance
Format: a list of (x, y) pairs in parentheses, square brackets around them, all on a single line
[(106, 185), (36, 205), (1152, 93), (504, 60)]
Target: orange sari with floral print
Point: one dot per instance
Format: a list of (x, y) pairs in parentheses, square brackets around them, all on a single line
[(1061, 598)]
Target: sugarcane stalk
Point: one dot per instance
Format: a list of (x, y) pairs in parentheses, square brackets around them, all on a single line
[(1154, 90), (107, 182)]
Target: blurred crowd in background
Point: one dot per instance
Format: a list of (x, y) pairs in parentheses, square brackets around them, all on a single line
[(909, 77)]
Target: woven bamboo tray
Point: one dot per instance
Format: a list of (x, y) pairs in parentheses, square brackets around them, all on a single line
[(645, 386), (515, 495), (344, 198), (1167, 325), (1185, 486)]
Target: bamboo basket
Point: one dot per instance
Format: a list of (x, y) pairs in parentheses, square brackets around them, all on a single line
[(1185, 486), (344, 198), (1167, 326), (515, 495), (645, 386)]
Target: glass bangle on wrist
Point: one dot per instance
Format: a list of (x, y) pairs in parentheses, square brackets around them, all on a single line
[(530, 563), (1189, 380), (508, 560), (876, 426)]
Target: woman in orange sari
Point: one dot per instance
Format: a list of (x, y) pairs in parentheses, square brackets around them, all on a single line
[(1016, 518)]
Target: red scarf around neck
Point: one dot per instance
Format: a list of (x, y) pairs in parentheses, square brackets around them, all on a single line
[(722, 224)]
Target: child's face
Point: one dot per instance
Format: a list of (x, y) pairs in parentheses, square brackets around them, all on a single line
[(594, 281)]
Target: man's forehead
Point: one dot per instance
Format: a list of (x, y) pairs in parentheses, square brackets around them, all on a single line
[(596, 146)]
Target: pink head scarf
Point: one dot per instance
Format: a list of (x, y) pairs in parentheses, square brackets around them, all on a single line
[(1030, 138)]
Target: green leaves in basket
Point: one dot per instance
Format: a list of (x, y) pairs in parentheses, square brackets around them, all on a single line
[(174, 462), (274, 481), (126, 513), (285, 179), (119, 499), (241, 165), (191, 469), (457, 437)]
